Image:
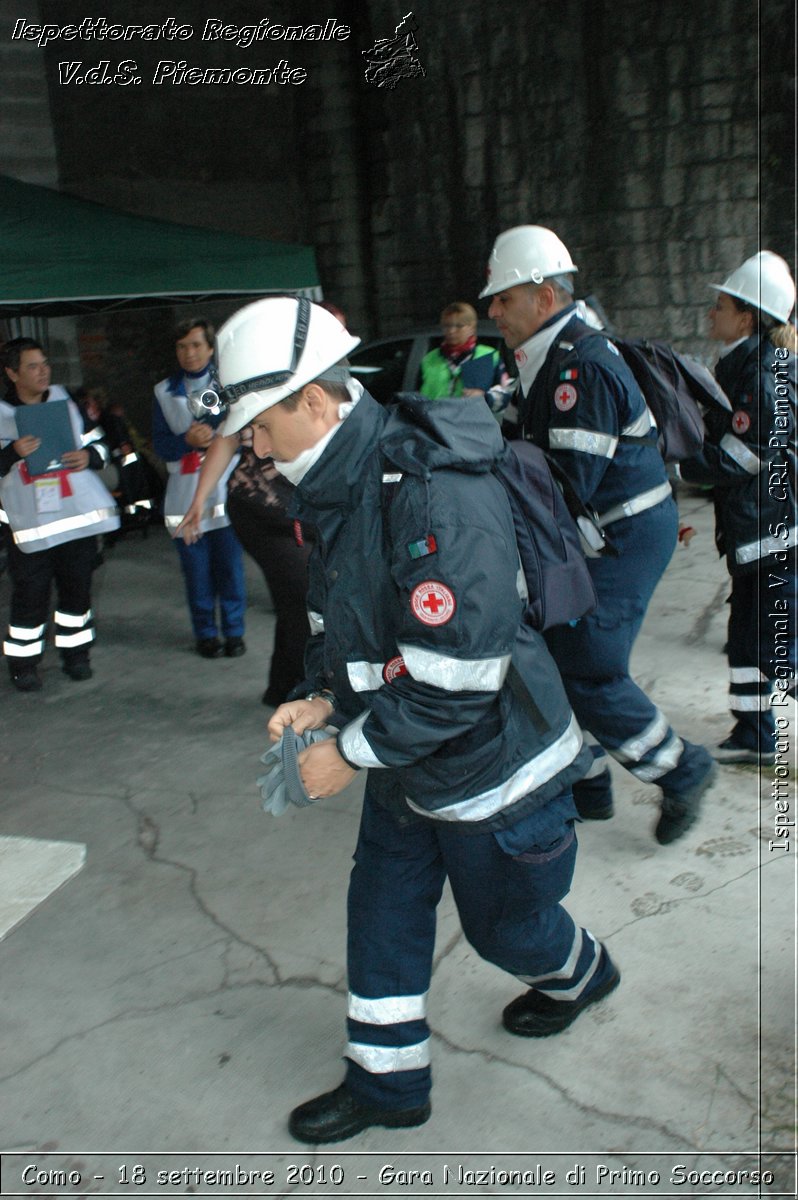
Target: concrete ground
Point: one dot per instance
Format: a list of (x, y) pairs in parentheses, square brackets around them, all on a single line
[(184, 988)]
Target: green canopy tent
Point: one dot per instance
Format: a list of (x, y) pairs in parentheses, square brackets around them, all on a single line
[(62, 256)]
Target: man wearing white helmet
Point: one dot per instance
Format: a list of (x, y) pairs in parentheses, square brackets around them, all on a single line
[(749, 454), (579, 402), (416, 614)]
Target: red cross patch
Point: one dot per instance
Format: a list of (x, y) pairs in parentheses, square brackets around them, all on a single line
[(394, 668), (741, 422), (565, 397), (432, 602)]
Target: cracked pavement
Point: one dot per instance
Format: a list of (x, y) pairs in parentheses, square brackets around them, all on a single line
[(186, 989)]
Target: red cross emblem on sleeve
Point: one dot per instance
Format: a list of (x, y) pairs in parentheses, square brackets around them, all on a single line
[(432, 602), (565, 397), (741, 422)]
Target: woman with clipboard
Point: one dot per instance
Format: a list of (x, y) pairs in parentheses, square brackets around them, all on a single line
[(54, 505)]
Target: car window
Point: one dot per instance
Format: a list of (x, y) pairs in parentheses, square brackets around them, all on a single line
[(381, 367)]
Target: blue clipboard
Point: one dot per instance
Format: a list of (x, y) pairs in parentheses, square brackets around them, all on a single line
[(50, 422)]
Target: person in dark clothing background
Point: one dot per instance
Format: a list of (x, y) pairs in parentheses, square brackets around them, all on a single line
[(749, 455)]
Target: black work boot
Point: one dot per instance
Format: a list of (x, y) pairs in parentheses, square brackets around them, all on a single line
[(25, 678), (679, 810), (536, 1015), (77, 668), (338, 1115)]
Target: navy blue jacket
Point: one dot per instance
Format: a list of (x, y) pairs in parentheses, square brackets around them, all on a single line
[(416, 617), (749, 454), (582, 407)]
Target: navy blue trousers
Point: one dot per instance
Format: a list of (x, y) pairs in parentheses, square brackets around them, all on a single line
[(761, 651), (510, 912), (593, 659), (213, 570)]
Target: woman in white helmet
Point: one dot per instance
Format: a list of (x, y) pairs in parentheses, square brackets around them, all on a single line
[(749, 455)]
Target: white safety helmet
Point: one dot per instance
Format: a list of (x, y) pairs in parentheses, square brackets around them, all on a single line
[(526, 254), (270, 349), (764, 282)]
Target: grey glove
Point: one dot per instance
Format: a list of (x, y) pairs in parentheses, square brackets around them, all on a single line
[(282, 784)]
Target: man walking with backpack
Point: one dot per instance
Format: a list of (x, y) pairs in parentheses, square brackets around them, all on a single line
[(580, 403), (439, 689)]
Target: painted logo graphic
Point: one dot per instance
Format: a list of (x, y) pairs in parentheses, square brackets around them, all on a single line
[(565, 397), (432, 602), (394, 58)]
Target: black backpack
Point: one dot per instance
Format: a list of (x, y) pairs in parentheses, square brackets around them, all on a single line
[(547, 530), (675, 387), (559, 587)]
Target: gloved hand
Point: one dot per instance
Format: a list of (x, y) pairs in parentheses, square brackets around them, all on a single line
[(282, 783)]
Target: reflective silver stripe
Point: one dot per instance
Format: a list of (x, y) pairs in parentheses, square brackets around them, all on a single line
[(663, 761), (528, 778), (81, 521), (387, 1010), (94, 435), (316, 622), (747, 675), (651, 736), (749, 703), (573, 993), (26, 634), (637, 504), (365, 676), (4, 517), (770, 545), (643, 425), (213, 514), (588, 441), (569, 966), (354, 745), (66, 640), (455, 674), (128, 460), (392, 478), (380, 1060), (741, 454), (71, 621), (103, 451), (28, 650), (567, 969), (520, 584)]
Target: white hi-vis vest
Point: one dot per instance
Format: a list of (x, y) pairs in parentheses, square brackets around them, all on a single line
[(184, 472), (50, 509)]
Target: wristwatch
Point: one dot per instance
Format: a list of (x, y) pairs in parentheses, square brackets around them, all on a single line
[(324, 694)]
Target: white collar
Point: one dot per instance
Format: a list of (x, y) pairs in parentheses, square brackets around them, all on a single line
[(531, 354)]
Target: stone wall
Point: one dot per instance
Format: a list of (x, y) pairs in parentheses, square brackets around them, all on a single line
[(635, 130), (656, 139)]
